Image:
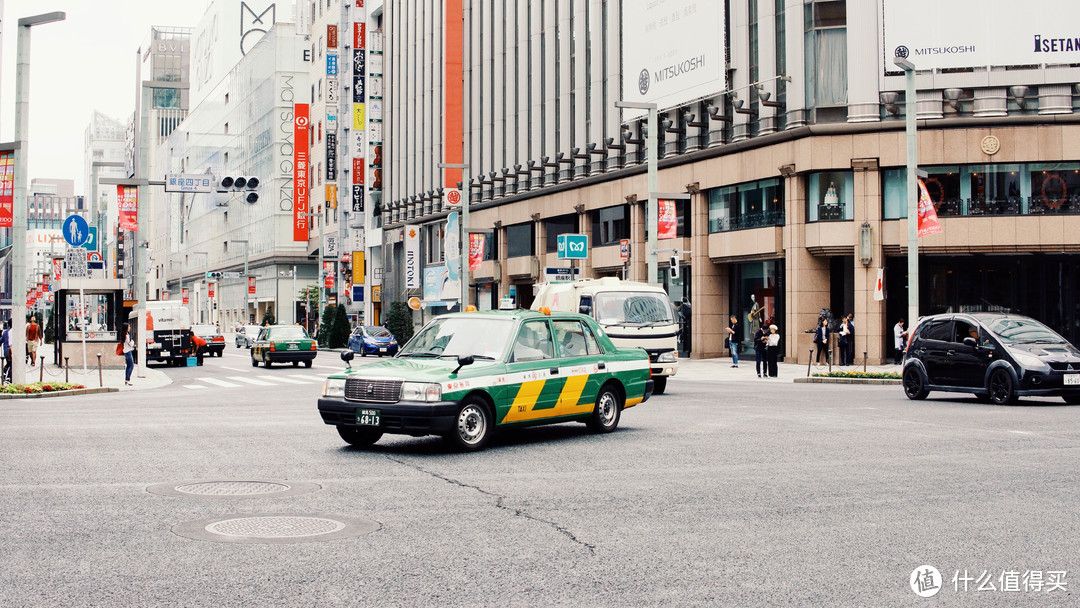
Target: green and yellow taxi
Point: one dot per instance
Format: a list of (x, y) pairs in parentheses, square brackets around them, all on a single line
[(466, 375), (283, 344)]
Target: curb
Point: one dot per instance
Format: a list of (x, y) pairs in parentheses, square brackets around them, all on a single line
[(876, 381), (72, 392)]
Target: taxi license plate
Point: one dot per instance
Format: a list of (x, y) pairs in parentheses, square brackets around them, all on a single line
[(1072, 379), (293, 347), (367, 417)]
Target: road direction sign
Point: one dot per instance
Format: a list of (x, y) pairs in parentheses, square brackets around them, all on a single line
[(573, 246), (91, 243), (76, 230)]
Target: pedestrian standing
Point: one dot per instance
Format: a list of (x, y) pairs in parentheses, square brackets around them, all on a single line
[(851, 338), (821, 338), (761, 362), (129, 353), (773, 350), (33, 338), (733, 341), (5, 348), (898, 341), (844, 339)]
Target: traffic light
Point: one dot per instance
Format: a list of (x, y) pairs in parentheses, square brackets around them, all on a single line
[(673, 268), (244, 185)]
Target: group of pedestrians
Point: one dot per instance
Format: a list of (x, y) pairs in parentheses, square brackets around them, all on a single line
[(766, 348), (845, 340), (34, 337)]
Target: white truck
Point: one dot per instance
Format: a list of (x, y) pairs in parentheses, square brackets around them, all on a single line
[(634, 315), (168, 338)]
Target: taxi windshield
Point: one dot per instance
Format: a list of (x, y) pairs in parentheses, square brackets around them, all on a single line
[(452, 336), (291, 332)]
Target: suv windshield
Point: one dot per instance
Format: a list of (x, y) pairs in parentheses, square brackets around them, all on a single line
[(453, 336), (1023, 331), (627, 307)]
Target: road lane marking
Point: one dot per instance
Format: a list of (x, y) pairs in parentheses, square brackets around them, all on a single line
[(217, 382), (235, 369), (195, 386), (282, 379), (251, 381), (308, 378)]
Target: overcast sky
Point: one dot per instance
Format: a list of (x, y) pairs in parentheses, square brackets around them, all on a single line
[(79, 65)]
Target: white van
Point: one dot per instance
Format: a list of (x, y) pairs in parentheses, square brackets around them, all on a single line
[(634, 315), (170, 339)]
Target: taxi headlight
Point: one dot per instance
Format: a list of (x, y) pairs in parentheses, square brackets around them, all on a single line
[(420, 391), (668, 357), (334, 387)]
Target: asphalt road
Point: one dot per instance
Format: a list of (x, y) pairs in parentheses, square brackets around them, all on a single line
[(733, 494)]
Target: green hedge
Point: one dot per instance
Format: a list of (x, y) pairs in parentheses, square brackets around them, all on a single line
[(869, 375)]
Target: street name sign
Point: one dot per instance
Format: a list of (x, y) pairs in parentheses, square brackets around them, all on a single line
[(189, 182)]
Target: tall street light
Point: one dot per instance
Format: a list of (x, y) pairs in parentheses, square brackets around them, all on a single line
[(651, 209), (912, 189), (18, 224)]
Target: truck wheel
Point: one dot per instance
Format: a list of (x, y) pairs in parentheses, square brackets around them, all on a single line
[(659, 385), (359, 437), (605, 417)]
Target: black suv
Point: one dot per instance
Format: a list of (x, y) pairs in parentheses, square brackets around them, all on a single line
[(997, 357)]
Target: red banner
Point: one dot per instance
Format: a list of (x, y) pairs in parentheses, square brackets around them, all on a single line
[(331, 36), (358, 171), (928, 220), (7, 189), (668, 223), (301, 173), (210, 290), (328, 273), (127, 202), (185, 295), (251, 286), (476, 250), (359, 35)]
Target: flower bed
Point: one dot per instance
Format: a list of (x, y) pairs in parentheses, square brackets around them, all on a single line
[(865, 375), (38, 387)]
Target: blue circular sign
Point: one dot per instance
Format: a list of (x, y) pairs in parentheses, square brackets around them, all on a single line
[(76, 230)]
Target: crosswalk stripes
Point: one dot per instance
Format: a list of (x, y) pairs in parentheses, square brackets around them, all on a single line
[(217, 382), (309, 378), (251, 381), (284, 379), (266, 380), (195, 386)]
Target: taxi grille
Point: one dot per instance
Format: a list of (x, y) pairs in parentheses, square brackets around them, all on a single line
[(381, 391)]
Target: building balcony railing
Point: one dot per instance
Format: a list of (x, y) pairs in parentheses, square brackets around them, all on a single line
[(747, 221), (1014, 205)]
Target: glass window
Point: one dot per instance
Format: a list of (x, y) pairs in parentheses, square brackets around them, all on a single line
[(571, 338), (534, 342), (168, 99), (938, 330), (1054, 187), (433, 236), (450, 336), (830, 196), (288, 332), (519, 240), (633, 307), (610, 224), (826, 53), (749, 205), (563, 224)]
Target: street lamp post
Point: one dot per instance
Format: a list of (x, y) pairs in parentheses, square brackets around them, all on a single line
[(18, 224), (463, 271), (651, 209), (912, 189), (182, 275)]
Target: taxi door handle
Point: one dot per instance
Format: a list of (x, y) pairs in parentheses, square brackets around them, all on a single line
[(601, 365), (554, 371)]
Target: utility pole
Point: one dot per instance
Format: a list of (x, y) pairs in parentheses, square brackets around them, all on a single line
[(912, 188)]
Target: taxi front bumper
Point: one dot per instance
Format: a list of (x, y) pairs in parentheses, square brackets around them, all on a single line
[(402, 418)]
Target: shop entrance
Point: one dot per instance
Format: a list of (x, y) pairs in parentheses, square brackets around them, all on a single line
[(679, 290)]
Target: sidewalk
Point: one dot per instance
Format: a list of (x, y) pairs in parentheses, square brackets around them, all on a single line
[(720, 369), (109, 377)]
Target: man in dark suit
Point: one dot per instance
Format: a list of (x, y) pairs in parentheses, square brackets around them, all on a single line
[(844, 338), (851, 339)]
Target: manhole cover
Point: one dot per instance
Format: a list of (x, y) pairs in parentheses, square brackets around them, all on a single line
[(276, 528), (233, 488)]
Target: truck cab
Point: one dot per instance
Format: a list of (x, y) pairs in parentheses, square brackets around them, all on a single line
[(632, 314), (168, 331)]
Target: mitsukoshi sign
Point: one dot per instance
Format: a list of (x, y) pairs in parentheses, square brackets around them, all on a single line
[(673, 51), (977, 33)]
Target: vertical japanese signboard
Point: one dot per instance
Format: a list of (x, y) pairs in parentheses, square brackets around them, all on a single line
[(331, 36), (412, 257), (185, 292), (476, 250), (127, 203), (300, 172), (251, 286), (7, 188), (331, 155), (358, 185), (668, 222)]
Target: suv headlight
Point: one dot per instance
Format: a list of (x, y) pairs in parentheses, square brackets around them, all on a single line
[(420, 391), (334, 387), (1028, 360), (668, 357)]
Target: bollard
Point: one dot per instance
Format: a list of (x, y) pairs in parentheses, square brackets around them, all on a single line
[(67, 370), (101, 382), (864, 361), (41, 370), (809, 363), (828, 359)]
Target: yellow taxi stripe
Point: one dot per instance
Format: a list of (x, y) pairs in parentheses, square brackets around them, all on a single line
[(571, 393), (524, 401), (632, 401), (566, 405)]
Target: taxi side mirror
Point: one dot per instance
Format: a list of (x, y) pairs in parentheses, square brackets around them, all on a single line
[(462, 361)]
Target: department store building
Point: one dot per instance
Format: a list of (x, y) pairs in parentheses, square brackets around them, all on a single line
[(787, 177)]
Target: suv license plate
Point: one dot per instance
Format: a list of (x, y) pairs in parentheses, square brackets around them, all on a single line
[(367, 417), (382, 350), (1072, 379)]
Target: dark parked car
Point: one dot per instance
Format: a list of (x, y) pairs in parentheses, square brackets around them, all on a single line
[(215, 342), (997, 357), (373, 340)]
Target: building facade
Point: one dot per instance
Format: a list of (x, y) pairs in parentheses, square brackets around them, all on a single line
[(785, 180)]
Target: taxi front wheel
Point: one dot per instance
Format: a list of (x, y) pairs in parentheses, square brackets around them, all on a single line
[(472, 427), (359, 437), (605, 418)]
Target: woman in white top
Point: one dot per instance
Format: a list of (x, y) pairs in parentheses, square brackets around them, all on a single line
[(129, 353), (772, 350), (898, 341)]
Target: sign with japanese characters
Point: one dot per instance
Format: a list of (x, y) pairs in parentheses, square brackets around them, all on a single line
[(182, 182), (127, 204), (7, 188), (301, 172)]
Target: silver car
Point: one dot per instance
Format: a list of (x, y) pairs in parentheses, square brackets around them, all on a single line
[(247, 335)]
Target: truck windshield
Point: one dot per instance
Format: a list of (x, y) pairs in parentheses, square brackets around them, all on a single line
[(450, 336), (629, 307)]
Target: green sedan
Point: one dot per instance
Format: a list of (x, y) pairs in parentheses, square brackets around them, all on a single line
[(283, 344), (466, 375)]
